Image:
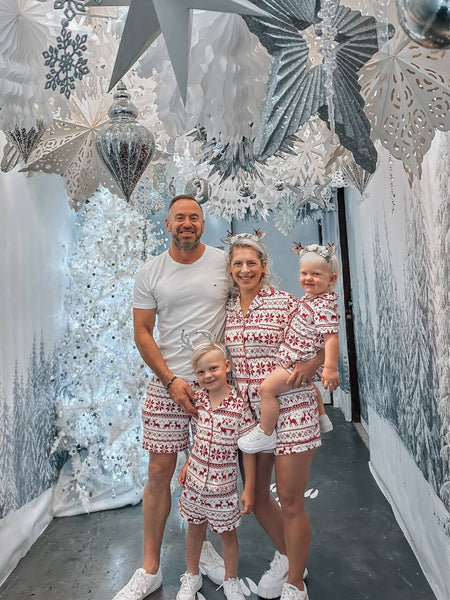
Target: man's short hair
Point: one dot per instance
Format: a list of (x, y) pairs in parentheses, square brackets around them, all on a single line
[(184, 197)]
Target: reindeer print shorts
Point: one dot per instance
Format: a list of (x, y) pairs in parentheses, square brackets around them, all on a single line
[(165, 424), (298, 423), (221, 511)]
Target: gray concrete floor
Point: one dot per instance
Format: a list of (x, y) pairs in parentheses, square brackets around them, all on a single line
[(358, 551)]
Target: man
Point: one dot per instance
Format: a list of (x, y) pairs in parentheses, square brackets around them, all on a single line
[(186, 288)]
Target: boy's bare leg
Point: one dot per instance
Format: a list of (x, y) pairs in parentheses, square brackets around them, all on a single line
[(230, 549), (194, 541), (273, 384)]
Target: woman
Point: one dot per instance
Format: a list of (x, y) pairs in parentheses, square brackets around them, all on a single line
[(257, 316)]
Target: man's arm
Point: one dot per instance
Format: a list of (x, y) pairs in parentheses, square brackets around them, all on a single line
[(180, 391)]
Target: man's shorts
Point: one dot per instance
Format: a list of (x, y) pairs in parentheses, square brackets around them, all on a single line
[(165, 424), (220, 510), (298, 423)]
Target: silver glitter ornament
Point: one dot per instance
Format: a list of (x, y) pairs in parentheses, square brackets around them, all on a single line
[(427, 22), (25, 141), (279, 185), (124, 145), (199, 188), (246, 190), (358, 177)]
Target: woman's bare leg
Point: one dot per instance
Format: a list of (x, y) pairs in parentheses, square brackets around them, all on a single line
[(292, 472), (266, 508)]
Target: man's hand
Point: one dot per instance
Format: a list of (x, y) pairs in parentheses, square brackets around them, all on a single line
[(304, 372), (183, 395)]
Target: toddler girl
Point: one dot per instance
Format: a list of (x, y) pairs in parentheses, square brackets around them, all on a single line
[(209, 477), (313, 327)]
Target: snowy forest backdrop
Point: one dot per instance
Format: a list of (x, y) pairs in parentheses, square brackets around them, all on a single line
[(399, 244)]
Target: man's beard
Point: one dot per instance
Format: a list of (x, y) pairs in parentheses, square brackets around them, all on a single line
[(186, 245)]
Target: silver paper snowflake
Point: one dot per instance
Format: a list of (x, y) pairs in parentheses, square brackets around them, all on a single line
[(66, 62), (296, 87)]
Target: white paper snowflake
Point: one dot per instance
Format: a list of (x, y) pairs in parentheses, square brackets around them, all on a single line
[(406, 88)]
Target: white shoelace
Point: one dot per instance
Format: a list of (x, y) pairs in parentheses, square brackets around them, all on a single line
[(233, 589), (188, 583), (276, 565), (138, 583)]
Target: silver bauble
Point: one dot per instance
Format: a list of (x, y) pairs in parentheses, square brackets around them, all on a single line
[(199, 188), (279, 185), (426, 21), (245, 189), (124, 145), (26, 140)]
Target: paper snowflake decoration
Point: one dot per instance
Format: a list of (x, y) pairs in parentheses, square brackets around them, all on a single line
[(406, 88), (296, 88)]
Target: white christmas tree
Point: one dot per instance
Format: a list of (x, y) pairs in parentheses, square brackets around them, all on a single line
[(103, 378)]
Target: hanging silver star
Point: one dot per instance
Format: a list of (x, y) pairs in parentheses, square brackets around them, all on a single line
[(147, 18), (296, 91)]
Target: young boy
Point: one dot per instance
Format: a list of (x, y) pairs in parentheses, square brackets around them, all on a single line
[(209, 477)]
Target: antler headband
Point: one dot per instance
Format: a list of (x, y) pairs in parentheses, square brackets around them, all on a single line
[(231, 239), (325, 252), (186, 341)]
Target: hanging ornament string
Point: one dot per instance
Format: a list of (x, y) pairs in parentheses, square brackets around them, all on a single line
[(380, 14), (327, 50), (391, 183), (65, 59)]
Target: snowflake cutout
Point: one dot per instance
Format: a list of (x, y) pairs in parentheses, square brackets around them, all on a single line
[(66, 62), (69, 11)]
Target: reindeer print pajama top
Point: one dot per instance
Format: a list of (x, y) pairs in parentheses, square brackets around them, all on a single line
[(254, 341), (210, 492), (316, 316)]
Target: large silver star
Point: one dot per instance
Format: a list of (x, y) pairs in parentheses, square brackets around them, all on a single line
[(147, 18)]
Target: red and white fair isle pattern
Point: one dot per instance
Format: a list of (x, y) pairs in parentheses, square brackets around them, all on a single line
[(316, 316), (210, 491), (253, 341), (165, 424)]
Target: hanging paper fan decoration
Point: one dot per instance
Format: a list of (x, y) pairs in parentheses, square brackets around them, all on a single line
[(25, 31), (406, 88), (227, 103), (296, 87)]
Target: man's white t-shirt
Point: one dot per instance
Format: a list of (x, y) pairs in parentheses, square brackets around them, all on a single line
[(186, 297)]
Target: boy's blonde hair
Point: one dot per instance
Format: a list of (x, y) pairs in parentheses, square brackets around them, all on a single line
[(203, 349)]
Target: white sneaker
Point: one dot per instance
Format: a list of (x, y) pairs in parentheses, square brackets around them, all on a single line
[(271, 583), (290, 592), (232, 589), (211, 564), (325, 425), (190, 584), (257, 441), (140, 585)]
